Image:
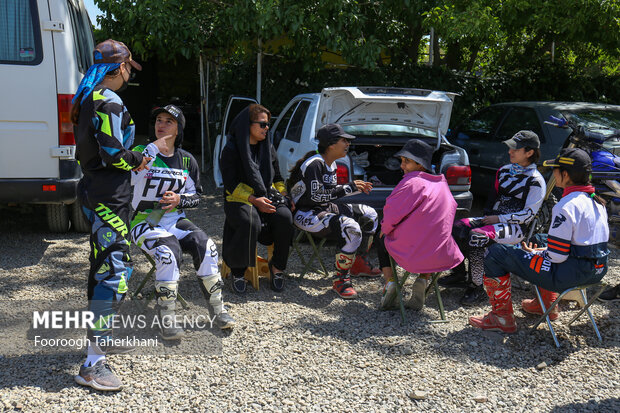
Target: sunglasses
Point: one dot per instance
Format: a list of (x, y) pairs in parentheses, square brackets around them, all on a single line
[(262, 125)]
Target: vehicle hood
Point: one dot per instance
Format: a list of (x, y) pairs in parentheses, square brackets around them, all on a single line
[(420, 108)]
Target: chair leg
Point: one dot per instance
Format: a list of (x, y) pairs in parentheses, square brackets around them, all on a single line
[(399, 284), (435, 286), (546, 313), (586, 308), (317, 252)]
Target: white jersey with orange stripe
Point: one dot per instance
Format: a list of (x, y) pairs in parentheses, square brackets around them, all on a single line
[(578, 228)]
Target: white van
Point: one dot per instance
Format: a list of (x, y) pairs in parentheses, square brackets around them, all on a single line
[(45, 48)]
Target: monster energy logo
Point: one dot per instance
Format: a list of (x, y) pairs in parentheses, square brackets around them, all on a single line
[(112, 219)]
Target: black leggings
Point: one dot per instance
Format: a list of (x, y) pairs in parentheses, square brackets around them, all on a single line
[(244, 226)]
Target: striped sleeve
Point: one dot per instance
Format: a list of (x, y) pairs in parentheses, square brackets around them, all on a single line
[(560, 234)]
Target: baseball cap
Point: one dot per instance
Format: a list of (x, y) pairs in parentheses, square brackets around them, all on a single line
[(173, 111), (331, 133), (572, 159), (522, 139), (113, 51), (419, 151)]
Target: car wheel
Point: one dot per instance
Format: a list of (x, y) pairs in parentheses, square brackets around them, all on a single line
[(79, 223), (58, 218)]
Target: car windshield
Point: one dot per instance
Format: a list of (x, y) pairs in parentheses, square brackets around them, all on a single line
[(387, 130), (601, 121)]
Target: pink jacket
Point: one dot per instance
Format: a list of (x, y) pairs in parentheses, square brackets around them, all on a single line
[(417, 223)]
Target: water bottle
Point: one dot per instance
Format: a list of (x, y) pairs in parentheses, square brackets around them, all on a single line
[(156, 215)]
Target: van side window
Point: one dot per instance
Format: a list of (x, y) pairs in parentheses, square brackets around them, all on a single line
[(82, 36), (20, 36)]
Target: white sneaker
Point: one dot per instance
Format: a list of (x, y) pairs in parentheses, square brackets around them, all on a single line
[(418, 294), (389, 296)]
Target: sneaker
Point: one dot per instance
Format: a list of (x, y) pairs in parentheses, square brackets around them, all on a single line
[(388, 297), (238, 284), (473, 295), (418, 294), (610, 294), (276, 281), (454, 280), (224, 320), (363, 268), (344, 288), (99, 377)]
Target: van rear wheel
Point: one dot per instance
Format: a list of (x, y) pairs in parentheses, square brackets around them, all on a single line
[(58, 218), (79, 223)]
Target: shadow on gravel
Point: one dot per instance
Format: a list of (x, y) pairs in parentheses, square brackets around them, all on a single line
[(50, 373), (608, 405)]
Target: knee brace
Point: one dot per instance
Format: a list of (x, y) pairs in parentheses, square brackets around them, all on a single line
[(350, 232), (480, 237), (167, 255)]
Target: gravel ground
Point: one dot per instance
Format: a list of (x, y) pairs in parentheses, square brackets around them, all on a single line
[(306, 349)]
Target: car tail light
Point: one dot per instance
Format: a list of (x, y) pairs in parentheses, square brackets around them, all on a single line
[(47, 188), (458, 175), (342, 174), (65, 127)]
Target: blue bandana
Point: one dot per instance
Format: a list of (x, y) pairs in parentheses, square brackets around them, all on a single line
[(92, 78), (515, 168)]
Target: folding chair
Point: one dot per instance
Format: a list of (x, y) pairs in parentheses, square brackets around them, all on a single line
[(253, 274), (586, 308), (148, 276), (316, 248), (399, 296)]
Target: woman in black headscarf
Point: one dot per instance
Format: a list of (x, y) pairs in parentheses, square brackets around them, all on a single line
[(256, 203)]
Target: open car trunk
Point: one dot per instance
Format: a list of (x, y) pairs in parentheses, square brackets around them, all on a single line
[(373, 159)]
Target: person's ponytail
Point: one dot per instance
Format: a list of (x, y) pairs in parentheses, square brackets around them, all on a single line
[(295, 172)]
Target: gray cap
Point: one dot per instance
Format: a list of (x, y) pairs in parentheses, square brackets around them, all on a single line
[(523, 139)]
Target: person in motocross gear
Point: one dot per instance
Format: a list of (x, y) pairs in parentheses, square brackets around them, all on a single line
[(104, 132), (313, 187), (575, 254), (161, 228), (513, 203)]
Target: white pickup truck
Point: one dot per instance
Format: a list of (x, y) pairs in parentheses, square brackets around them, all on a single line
[(383, 119)]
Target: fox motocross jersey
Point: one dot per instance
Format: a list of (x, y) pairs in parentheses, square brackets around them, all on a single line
[(177, 173)]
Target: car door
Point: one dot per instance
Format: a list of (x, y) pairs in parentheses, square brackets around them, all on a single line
[(287, 135), (235, 105), (475, 135)]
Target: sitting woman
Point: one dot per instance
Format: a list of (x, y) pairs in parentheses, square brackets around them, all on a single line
[(255, 200), (513, 203), (160, 227), (421, 203), (313, 186), (576, 252)]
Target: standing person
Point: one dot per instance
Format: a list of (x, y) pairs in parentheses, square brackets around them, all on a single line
[(314, 186), (255, 199), (104, 133), (576, 251), (171, 184), (421, 203), (518, 193)]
